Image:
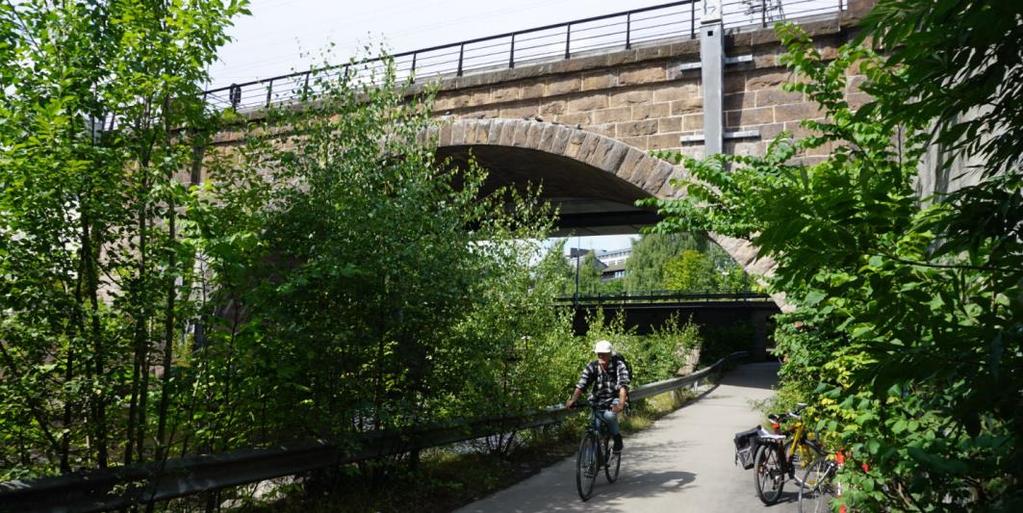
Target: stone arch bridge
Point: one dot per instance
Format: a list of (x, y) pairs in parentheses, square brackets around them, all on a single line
[(584, 125)]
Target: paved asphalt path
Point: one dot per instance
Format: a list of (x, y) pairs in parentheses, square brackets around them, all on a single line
[(683, 463)]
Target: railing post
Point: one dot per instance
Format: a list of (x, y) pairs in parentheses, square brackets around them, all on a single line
[(461, 56), (511, 53), (235, 95), (269, 91), (763, 13), (305, 88), (692, 19), (628, 31), (568, 40), (414, 55)]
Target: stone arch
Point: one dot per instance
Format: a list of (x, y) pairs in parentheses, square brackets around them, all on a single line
[(609, 155)]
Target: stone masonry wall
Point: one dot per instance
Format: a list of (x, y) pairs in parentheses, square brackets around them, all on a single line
[(643, 98)]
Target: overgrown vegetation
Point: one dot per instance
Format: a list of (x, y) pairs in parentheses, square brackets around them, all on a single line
[(908, 337)]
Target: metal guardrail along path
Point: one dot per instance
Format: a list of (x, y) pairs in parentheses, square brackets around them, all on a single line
[(123, 486)]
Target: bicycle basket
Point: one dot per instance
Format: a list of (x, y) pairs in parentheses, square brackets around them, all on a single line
[(745, 447)]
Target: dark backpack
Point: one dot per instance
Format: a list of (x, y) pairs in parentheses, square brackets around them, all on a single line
[(632, 377)]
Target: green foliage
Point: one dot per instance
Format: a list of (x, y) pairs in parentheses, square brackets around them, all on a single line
[(908, 332), (690, 271), (92, 97)]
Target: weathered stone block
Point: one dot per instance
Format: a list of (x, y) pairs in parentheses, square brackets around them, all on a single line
[(606, 129), (553, 108), (457, 133), (520, 133), (651, 111), (506, 93), (533, 89), (686, 106), (692, 122), (632, 159), (520, 111), (599, 80), (639, 96), (550, 131), (576, 118), (564, 85), (747, 117), (664, 141), (634, 128), (533, 135), (638, 142), (587, 103), (561, 139), (574, 144), (671, 124), (763, 79), (768, 97), (614, 115), (677, 92), (642, 75), (797, 111)]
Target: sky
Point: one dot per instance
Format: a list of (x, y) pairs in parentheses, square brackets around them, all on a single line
[(289, 35)]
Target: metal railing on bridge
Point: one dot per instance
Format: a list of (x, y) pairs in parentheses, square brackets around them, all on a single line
[(622, 30), (661, 296), (121, 487)]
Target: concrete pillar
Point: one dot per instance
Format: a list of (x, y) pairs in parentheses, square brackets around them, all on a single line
[(711, 66)]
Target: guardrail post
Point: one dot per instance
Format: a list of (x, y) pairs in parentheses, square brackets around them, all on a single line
[(461, 56), (305, 88), (763, 13), (628, 31), (568, 40), (414, 55), (269, 91), (511, 53)]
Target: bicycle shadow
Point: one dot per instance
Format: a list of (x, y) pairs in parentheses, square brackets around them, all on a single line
[(648, 484)]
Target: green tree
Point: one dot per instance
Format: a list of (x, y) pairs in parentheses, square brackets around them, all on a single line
[(883, 281), (690, 271), (589, 275), (101, 106), (644, 270)]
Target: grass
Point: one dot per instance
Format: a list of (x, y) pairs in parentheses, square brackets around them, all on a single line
[(446, 479)]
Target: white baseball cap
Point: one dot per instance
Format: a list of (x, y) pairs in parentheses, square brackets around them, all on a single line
[(602, 346)]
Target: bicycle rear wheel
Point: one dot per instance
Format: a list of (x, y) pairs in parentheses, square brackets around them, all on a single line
[(614, 462), (586, 465), (818, 488), (768, 473)]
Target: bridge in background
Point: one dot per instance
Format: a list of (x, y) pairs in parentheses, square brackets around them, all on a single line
[(697, 77), (644, 312)]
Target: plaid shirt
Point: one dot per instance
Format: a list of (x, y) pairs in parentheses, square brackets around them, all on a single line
[(606, 383)]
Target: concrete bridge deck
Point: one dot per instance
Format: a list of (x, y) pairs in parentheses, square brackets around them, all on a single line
[(682, 464)]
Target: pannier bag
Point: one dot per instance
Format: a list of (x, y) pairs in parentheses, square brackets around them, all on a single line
[(746, 446)]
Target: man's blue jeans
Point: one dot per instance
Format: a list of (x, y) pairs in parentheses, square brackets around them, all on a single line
[(611, 418)]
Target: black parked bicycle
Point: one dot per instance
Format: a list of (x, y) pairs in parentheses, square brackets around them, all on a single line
[(779, 456), (595, 454)]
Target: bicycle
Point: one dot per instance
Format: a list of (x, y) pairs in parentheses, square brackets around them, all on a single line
[(777, 456), (595, 454), (819, 485)]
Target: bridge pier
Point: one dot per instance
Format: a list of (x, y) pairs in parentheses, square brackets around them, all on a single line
[(759, 320)]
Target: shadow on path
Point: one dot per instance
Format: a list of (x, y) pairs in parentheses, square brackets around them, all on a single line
[(763, 375)]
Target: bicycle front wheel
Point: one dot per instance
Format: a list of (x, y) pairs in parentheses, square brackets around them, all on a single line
[(586, 465), (768, 473), (614, 462), (818, 488)]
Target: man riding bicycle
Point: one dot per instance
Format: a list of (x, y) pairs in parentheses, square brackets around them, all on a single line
[(610, 378)]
